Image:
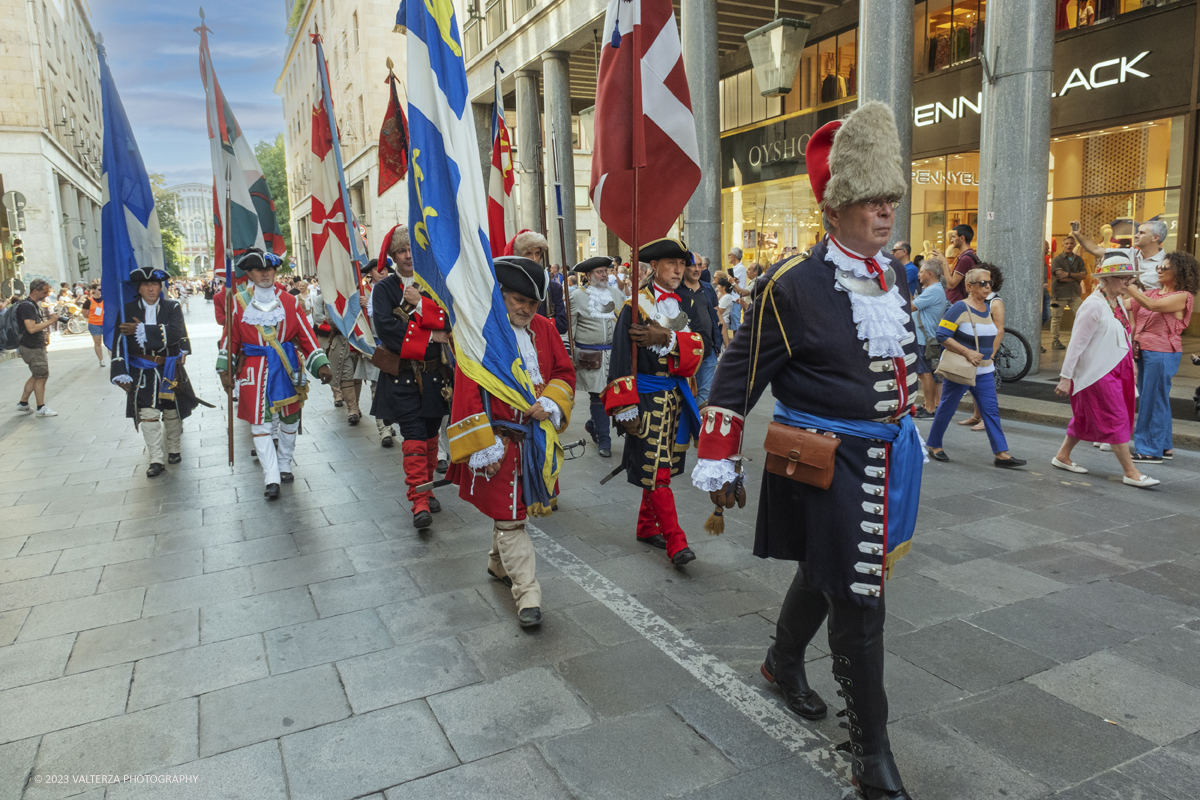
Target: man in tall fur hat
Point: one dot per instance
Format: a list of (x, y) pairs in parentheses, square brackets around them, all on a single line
[(147, 362), (652, 399), (853, 381), (594, 308), (412, 325), (268, 336), (489, 439)]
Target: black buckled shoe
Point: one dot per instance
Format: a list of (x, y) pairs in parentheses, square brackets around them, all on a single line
[(605, 452), (434, 505), (799, 696), (338, 404), (873, 793), (442, 466), (385, 441), (657, 540), (422, 519), (174, 458), (684, 556), (272, 491), (286, 477), (591, 431), (1010, 462), (528, 617), (154, 470), (939, 455), (507, 581)]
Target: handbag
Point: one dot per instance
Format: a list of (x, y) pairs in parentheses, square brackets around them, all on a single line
[(933, 348), (590, 359), (385, 360), (955, 367), (800, 454)]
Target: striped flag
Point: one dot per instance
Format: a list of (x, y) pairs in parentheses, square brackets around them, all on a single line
[(643, 119), (337, 251), (252, 211), (502, 211), (129, 234), (447, 212)]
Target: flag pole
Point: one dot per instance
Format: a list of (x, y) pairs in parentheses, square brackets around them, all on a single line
[(562, 238), (229, 288)]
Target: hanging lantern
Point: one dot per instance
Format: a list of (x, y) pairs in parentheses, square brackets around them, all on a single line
[(775, 50)]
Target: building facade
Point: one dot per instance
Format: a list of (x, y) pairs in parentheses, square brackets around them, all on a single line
[(194, 210), (358, 39), (51, 140)]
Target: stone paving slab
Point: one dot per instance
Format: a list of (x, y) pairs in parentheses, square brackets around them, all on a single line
[(518, 774), (251, 773), (33, 662), (129, 641), (196, 671), (325, 640), (399, 674), (63, 702)]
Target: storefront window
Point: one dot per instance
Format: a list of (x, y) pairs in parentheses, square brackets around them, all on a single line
[(945, 193), (1115, 179), (742, 104), (765, 218), (947, 32), (1082, 13)]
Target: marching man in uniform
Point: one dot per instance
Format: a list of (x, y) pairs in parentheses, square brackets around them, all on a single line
[(832, 377), (148, 365), (268, 336), (415, 329), (653, 402), (489, 440), (594, 307)]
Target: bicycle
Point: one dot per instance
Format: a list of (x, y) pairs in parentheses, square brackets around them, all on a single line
[(1013, 360)]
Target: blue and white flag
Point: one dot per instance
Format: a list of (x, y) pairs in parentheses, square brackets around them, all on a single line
[(447, 215), (129, 234)]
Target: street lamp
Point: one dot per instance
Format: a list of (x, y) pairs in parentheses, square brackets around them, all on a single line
[(775, 51)]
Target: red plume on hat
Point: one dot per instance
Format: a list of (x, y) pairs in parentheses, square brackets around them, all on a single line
[(816, 156), (857, 159)]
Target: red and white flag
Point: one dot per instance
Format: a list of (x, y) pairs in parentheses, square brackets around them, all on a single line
[(502, 211), (643, 119)]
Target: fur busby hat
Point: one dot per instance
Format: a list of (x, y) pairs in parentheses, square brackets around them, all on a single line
[(147, 275), (523, 276), (857, 158), (594, 263), (665, 248), (396, 239)]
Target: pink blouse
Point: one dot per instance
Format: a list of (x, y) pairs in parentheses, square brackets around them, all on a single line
[(1159, 332)]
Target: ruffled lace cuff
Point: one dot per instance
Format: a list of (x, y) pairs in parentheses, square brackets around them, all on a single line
[(140, 334), (665, 349), (710, 474), (552, 407), (487, 456), (628, 414), (123, 379)]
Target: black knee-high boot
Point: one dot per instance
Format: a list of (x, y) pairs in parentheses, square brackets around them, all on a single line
[(856, 642), (803, 611)]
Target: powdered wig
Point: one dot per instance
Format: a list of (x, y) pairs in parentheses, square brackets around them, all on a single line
[(532, 245)]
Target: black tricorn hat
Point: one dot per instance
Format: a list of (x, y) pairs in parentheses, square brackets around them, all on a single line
[(523, 276), (665, 248), (595, 262), (147, 275), (253, 259)]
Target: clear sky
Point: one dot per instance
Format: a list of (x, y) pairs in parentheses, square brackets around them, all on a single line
[(155, 60)]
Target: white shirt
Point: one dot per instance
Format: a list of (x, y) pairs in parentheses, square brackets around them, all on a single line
[(1147, 267), (739, 275), (725, 303)]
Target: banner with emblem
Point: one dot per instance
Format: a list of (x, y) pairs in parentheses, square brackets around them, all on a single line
[(502, 206), (337, 252), (447, 211)]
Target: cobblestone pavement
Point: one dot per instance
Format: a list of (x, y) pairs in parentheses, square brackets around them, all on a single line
[(1044, 635)]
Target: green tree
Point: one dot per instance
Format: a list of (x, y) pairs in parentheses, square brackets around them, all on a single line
[(273, 160), (168, 223)]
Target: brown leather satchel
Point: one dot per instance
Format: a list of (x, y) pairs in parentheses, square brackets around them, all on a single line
[(590, 359), (385, 360), (800, 454)]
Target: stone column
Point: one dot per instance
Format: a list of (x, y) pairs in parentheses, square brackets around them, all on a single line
[(483, 136), (70, 227), (529, 152), (85, 230), (557, 74), (1014, 157), (698, 19), (95, 255), (885, 66)]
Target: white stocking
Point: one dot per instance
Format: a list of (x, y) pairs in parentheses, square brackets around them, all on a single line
[(152, 432), (287, 444), (173, 429), (267, 458)]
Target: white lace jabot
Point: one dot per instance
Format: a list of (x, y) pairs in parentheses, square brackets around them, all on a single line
[(263, 297), (881, 319)]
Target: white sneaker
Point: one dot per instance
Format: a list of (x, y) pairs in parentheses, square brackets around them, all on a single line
[(45, 411), (1106, 448), (1145, 483), (24, 408)]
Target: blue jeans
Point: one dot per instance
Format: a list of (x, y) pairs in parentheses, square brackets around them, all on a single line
[(1153, 432), (735, 315), (600, 423), (984, 393), (704, 376)]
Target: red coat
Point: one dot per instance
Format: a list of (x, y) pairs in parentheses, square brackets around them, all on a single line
[(252, 377), (470, 431)]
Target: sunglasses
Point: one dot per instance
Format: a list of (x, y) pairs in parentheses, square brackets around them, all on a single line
[(982, 283)]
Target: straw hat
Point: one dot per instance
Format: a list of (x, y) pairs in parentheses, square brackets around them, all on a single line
[(1113, 265)]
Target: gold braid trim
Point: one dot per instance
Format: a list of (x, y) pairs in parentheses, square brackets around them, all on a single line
[(757, 344), (894, 556)]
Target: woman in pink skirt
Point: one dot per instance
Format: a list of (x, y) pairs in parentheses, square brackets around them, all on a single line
[(1098, 373)]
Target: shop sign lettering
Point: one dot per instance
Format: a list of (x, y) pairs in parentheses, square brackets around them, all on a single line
[(778, 150), (939, 178), (1109, 72)]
